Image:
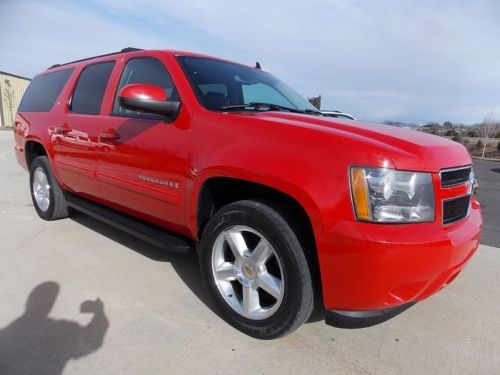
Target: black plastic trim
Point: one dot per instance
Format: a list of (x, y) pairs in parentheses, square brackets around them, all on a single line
[(363, 319), (157, 236), (447, 219)]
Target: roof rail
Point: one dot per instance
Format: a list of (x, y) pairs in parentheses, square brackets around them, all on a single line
[(124, 50)]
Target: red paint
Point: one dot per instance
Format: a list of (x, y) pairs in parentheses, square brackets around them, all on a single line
[(363, 265), (141, 91)]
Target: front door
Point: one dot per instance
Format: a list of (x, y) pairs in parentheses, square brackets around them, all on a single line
[(142, 158)]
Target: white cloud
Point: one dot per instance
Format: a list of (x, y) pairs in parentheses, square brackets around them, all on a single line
[(413, 60)]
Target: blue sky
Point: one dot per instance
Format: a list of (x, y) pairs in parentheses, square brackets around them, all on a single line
[(381, 60)]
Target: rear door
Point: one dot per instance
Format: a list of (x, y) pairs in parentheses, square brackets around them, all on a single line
[(142, 162), (76, 138)]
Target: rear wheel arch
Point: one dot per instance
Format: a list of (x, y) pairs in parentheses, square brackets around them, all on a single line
[(33, 149)]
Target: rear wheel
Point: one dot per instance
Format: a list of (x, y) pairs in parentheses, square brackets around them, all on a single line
[(47, 195), (256, 270)]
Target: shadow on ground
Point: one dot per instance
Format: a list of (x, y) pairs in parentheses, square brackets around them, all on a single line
[(37, 344), (186, 265)]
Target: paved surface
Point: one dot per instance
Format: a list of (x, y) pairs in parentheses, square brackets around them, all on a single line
[(488, 175), (154, 317)]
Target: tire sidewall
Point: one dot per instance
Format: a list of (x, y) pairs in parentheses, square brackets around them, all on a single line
[(288, 250)]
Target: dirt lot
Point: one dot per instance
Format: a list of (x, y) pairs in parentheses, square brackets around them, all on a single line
[(154, 317)]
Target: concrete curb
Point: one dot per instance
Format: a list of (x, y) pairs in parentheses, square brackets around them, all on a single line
[(488, 159)]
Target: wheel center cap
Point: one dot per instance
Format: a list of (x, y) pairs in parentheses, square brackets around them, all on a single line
[(246, 272)]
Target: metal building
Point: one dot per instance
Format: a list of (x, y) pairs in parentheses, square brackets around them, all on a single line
[(12, 88)]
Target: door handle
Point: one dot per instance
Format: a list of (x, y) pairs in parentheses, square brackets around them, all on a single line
[(63, 129), (110, 135)]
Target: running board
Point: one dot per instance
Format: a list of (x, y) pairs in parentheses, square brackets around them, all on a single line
[(157, 236)]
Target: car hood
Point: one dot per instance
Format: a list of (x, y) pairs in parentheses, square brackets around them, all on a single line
[(408, 149)]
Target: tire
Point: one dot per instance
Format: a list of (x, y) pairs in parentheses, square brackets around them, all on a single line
[(47, 195), (265, 291)]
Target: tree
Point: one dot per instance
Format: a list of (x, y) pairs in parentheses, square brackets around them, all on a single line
[(488, 129), (498, 146), (9, 99), (479, 145)]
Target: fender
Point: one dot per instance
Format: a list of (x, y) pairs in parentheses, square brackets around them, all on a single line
[(280, 185)]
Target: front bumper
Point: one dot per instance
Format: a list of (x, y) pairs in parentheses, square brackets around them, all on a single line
[(366, 266)]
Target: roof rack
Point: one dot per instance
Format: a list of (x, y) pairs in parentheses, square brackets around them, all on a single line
[(124, 50)]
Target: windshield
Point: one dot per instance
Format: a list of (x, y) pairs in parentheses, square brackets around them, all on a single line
[(219, 84)]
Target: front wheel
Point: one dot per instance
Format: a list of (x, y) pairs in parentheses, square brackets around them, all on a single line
[(256, 270)]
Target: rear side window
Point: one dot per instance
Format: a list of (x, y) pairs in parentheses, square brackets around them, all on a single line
[(89, 90), (43, 91)]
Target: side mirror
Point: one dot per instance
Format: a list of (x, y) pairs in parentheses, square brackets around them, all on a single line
[(147, 98)]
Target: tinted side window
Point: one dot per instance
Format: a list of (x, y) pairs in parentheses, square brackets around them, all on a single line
[(89, 90), (43, 91), (145, 70)]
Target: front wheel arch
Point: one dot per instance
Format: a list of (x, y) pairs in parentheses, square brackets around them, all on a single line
[(218, 192)]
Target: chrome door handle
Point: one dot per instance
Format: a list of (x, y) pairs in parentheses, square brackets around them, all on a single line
[(63, 129)]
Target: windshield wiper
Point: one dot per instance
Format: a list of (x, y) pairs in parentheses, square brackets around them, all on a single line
[(258, 105), (312, 111)]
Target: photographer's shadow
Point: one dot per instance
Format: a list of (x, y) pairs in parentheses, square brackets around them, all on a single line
[(37, 344)]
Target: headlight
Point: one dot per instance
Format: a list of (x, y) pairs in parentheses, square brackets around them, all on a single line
[(390, 196)]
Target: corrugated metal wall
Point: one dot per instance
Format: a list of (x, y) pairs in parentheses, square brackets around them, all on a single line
[(11, 91)]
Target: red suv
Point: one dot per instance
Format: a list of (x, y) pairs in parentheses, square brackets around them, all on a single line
[(284, 206)]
